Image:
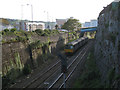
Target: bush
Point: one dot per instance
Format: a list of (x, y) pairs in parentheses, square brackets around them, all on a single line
[(21, 39), (47, 31), (27, 70), (13, 30), (39, 31), (6, 30), (45, 34), (36, 44)]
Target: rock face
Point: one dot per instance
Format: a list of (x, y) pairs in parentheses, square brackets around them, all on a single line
[(17, 54), (107, 43)]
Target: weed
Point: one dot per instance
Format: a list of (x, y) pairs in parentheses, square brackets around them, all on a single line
[(27, 69)]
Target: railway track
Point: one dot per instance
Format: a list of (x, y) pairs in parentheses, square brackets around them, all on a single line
[(58, 82), (42, 80)]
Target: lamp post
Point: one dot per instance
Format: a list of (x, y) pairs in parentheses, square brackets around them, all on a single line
[(31, 14), (21, 15), (22, 12), (47, 19)]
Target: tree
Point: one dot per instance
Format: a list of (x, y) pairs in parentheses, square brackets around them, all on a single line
[(72, 24), (56, 26)]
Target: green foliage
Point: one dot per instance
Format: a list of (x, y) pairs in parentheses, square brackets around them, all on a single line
[(21, 39), (36, 44), (3, 41), (72, 24), (13, 30), (45, 34), (39, 31), (10, 77), (18, 61), (6, 30), (47, 31), (27, 69), (14, 70)]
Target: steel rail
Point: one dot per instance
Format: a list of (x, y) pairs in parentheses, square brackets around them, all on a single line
[(61, 73), (38, 86), (36, 78), (67, 68), (59, 67), (72, 71), (80, 61)]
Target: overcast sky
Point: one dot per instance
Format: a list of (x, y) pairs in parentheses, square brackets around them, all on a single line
[(84, 10)]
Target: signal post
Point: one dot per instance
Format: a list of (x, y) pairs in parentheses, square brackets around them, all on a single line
[(63, 66)]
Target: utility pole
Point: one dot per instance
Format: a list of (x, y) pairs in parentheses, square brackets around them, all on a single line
[(21, 16), (63, 66), (48, 20), (31, 15)]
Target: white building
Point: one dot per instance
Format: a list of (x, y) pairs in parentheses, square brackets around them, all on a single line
[(32, 26)]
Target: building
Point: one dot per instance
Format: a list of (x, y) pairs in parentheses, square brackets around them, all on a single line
[(60, 22), (87, 24), (93, 23), (32, 26)]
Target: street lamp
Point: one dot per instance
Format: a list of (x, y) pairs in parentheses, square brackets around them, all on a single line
[(21, 15), (47, 19), (22, 12), (31, 13)]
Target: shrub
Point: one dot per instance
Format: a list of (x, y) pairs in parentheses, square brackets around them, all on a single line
[(47, 31), (36, 44), (21, 39), (27, 70), (45, 34), (39, 31), (3, 41), (13, 30), (6, 30)]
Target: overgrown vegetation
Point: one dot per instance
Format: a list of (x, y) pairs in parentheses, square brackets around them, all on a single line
[(46, 32), (27, 69), (90, 35), (23, 36), (90, 77), (13, 71), (14, 67), (111, 78)]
